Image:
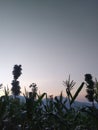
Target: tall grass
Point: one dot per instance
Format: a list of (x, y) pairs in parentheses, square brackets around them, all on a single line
[(43, 112)]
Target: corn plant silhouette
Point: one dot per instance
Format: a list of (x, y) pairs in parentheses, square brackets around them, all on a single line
[(90, 88), (15, 83)]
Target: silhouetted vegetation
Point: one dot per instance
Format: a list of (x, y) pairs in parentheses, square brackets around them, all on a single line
[(90, 87), (43, 112), (15, 84)]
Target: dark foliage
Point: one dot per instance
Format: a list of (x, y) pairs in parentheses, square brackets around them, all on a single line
[(17, 71), (90, 87), (40, 112), (15, 84)]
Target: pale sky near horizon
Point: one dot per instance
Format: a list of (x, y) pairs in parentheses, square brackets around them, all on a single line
[(50, 39)]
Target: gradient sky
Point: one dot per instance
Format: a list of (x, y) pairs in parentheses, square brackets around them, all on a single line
[(50, 39)]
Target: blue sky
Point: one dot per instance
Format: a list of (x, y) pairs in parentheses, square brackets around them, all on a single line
[(50, 39)]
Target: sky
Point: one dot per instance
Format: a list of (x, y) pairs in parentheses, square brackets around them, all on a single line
[(51, 39)]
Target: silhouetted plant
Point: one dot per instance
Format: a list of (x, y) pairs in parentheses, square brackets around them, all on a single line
[(92, 115), (90, 88), (50, 113), (69, 86), (34, 90), (15, 84), (96, 91), (77, 92), (17, 71)]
